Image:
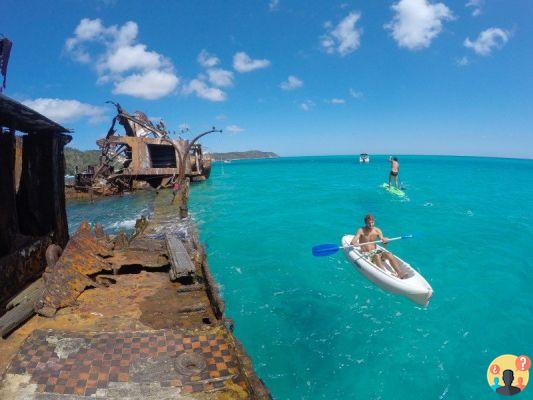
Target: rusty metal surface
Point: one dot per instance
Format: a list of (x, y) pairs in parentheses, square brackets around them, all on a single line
[(65, 280), (165, 363), (22, 266), (137, 305), (143, 258), (126, 159), (33, 201), (17, 116), (117, 308)]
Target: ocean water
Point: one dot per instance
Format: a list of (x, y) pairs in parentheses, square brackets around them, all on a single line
[(114, 213), (317, 329)]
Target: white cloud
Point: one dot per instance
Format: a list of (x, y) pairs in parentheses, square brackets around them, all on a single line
[(307, 105), (417, 22), (488, 40), (273, 5), (118, 59), (207, 60), (221, 117), (345, 38), (291, 83), (203, 91), (150, 85), (356, 94), (243, 63), (476, 6), (336, 101), (89, 29), (67, 110), (220, 77), (133, 57), (234, 129), (462, 62)]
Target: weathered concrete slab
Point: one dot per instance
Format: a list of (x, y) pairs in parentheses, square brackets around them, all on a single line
[(144, 364)]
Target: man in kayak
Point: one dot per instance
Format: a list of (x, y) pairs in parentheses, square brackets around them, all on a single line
[(394, 170), (370, 233)]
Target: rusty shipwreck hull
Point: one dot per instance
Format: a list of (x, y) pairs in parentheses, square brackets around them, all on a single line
[(32, 215), (137, 317), (144, 155)]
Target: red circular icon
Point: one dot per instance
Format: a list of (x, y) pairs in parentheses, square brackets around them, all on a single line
[(522, 363), (495, 369)]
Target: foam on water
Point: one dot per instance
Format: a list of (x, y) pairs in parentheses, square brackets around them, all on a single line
[(114, 213)]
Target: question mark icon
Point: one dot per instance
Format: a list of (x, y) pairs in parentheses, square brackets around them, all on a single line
[(522, 363)]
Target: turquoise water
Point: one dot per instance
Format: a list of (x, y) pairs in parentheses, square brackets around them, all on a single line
[(114, 213), (314, 327)]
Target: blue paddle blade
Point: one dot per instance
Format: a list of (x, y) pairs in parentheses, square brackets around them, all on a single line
[(325, 249)]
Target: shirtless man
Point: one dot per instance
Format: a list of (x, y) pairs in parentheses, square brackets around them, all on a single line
[(370, 233), (394, 170)]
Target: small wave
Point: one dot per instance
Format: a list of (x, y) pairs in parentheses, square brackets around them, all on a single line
[(428, 204), (127, 224), (470, 213)]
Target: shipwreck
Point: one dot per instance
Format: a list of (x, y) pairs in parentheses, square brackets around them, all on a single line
[(143, 156)]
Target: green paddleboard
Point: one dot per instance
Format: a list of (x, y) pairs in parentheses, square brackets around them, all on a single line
[(393, 190)]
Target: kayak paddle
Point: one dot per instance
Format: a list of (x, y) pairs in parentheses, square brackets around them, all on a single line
[(328, 249)]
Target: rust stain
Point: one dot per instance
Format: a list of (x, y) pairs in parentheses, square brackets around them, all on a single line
[(68, 277)]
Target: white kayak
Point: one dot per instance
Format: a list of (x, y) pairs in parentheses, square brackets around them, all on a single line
[(413, 285)]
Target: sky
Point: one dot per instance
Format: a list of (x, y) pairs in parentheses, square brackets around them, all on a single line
[(292, 77)]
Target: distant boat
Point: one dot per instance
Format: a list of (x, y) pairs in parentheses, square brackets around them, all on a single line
[(227, 161), (364, 158)]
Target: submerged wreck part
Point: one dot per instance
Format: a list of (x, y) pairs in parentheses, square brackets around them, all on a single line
[(135, 334), (144, 156), (32, 215)]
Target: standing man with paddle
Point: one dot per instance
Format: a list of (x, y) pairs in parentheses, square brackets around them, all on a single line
[(394, 170), (370, 233)]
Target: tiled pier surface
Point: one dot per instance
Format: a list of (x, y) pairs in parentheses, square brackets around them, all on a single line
[(140, 337), (160, 364)]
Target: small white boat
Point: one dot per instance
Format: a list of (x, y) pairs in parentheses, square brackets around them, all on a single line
[(413, 285), (364, 158)]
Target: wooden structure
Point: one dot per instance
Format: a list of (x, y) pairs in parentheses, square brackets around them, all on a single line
[(181, 264), (32, 200)]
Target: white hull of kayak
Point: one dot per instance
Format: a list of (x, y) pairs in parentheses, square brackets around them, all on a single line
[(413, 286)]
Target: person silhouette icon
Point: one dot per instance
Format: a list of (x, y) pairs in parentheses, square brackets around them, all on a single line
[(496, 384), (508, 389), (520, 383)]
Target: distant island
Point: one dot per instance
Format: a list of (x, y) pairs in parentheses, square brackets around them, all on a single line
[(237, 155)]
